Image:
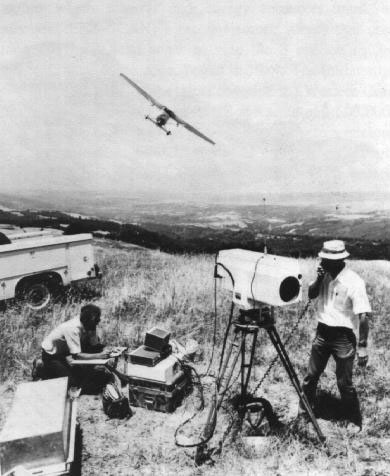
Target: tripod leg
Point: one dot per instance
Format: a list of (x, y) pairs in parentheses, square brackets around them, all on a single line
[(278, 344), (246, 368)]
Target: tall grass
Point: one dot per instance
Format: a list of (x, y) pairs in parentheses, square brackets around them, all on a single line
[(142, 288)]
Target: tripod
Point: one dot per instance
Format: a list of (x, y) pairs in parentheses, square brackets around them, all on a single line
[(246, 327)]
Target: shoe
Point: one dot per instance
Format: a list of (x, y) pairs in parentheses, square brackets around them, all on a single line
[(74, 392), (353, 429), (37, 370)]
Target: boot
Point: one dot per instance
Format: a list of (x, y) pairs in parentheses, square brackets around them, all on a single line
[(37, 372)]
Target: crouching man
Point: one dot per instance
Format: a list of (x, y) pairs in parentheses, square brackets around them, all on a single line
[(75, 339), (342, 308)]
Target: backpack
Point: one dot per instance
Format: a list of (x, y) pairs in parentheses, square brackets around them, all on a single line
[(115, 404)]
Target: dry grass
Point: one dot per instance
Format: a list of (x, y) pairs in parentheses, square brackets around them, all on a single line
[(143, 288)]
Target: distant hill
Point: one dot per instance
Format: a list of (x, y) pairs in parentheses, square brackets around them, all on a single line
[(195, 238), (357, 216)]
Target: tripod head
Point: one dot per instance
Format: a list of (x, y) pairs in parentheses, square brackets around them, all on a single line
[(261, 317)]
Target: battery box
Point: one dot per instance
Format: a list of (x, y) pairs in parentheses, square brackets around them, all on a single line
[(158, 396)]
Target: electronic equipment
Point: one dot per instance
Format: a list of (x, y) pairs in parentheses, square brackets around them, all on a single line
[(165, 371), (156, 348), (145, 356), (160, 388), (259, 282), (158, 396), (157, 339), (155, 377), (259, 278)]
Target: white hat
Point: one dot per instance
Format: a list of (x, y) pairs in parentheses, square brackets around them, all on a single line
[(333, 249)]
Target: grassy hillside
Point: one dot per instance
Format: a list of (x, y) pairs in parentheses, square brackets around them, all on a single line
[(142, 288)]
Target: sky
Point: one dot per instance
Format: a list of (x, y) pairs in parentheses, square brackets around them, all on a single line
[(296, 95)]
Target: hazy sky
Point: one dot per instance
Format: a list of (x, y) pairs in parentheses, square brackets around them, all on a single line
[(296, 94)]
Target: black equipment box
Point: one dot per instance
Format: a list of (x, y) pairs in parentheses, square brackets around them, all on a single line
[(145, 356), (157, 339), (158, 396)]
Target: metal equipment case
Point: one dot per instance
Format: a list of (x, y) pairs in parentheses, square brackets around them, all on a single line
[(160, 388), (156, 395), (40, 431)]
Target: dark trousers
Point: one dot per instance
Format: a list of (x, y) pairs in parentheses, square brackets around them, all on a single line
[(56, 366), (340, 343), (90, 379)]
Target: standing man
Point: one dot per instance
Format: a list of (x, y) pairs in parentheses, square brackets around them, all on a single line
[(343, 309), (73, 339)]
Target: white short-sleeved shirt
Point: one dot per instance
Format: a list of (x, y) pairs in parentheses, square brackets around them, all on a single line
[(65, 339), (341, 300)]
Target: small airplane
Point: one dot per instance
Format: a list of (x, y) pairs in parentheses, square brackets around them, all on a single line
[(167, 114)]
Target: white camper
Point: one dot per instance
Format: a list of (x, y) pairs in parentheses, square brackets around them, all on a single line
[(33, 269)]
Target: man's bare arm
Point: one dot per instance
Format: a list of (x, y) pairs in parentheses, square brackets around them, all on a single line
[(314, 288), (87, 356), (363, 329)]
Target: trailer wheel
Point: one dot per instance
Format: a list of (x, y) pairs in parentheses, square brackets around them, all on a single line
[(36, 295)]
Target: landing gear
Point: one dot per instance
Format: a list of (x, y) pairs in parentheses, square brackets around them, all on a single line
[(160, 126)]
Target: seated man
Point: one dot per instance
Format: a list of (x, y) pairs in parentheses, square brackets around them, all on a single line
[(74, 339)]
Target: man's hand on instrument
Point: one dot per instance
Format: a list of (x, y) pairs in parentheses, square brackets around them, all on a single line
[(362, 356), (320, 273), (117, 351)]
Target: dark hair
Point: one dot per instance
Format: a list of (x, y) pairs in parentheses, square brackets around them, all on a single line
[(90, 314)]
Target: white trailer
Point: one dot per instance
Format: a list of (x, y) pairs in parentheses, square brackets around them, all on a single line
[(33, 269)]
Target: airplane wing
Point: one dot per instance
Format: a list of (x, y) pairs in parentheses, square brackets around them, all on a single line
[(144, 93), (192, 129)]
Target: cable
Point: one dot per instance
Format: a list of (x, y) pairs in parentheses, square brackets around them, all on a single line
[(201, 407), (216, 276), (253, 278), (226, 269), (216, 385), (215, 318)]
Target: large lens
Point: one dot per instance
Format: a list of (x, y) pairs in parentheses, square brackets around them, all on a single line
[(289, 289)]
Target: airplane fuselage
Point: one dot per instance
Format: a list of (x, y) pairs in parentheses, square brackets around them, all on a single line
[(160, 122), (162, 119)]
